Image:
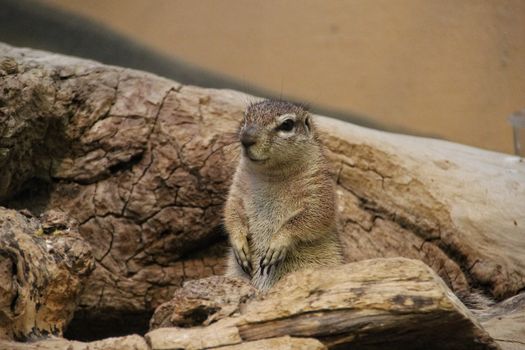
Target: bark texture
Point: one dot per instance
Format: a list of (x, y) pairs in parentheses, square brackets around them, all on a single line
[(373, 304), (104, 145), (43, 266)]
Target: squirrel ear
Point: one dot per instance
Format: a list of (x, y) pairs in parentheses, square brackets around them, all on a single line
[(308, 124)]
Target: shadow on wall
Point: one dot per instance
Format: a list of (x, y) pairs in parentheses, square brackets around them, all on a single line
[(28, 23)]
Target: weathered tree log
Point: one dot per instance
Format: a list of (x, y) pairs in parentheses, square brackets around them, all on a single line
[(372, 304), (42, 269), (144, 163)]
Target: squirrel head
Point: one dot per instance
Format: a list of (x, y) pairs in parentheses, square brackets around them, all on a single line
[(276, 133)]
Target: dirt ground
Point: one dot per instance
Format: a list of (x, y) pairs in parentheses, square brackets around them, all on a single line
[(453, 69)]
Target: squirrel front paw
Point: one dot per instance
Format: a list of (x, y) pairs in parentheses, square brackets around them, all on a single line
[(242, 254), (275, 253)]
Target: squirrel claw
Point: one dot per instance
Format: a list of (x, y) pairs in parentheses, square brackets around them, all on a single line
[(242, 256), (272, 257)]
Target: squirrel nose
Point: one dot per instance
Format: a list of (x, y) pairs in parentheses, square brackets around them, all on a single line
[(248, 138)]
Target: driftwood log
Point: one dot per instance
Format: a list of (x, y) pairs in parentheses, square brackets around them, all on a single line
[(143, 164), (373, 304)]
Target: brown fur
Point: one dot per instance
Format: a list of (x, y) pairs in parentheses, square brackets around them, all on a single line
[(280, 212)]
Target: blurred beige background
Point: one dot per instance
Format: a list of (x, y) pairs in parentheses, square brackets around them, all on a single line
[(454, 69)]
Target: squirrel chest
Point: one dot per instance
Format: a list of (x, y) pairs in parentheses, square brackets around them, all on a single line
[(269, 205)]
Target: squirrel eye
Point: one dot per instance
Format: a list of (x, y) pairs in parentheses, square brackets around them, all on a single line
[(287, 125)]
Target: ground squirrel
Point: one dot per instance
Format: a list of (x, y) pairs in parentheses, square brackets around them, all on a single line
[(280, 211)]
